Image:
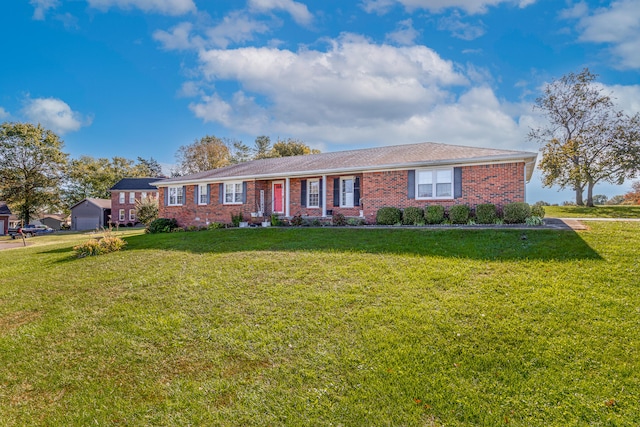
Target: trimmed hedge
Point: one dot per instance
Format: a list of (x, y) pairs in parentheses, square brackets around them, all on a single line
[(388, 216), (434, 214), (413, 216), (486, 213), (516, 213), (537, 210), (459, 214), (162, 225)]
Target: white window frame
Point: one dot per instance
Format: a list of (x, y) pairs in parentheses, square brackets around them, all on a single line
[(132, 214), (434, 183), (143, 195), (121, 215), (175, 196), (313, 183), (344, 202), (231, 189), (121, 197), (132, 197), (202, 191)]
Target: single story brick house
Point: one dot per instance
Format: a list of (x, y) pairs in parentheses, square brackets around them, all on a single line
[(124, 195), (355, 183)]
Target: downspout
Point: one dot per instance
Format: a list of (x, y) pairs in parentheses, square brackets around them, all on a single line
[(324, 196), (287, 190)]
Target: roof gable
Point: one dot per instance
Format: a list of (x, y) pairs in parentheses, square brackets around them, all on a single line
[(4, 209), (101, 203)]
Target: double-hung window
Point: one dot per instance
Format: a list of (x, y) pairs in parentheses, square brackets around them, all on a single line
[(346, 192), (434, 183), (132, 214), (233, 193), (143, 195), (175, 196), (121, 215), (202, 194), (313, 193), (132, 198), (121, 197)]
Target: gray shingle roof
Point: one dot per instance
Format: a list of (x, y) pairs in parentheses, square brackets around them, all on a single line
[(389, 157), (101, 203), (4, 209), (141, 184)]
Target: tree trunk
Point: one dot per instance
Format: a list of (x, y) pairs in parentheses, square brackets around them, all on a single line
[(579, 201), (590, 186)]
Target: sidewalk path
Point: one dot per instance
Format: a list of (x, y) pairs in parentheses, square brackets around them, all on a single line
[(576, 223)]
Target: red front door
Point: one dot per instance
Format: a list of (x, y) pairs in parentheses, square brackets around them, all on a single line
[(278, 197)]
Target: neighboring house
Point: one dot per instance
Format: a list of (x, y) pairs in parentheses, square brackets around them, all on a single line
[(124, 195), (5, 213), (54, 221), (354, 183), (90, 214)]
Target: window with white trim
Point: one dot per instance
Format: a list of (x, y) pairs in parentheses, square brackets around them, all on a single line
[(202, 194), (143, 195), (346, 192), (132, 214), (313, 193), (121, 197), (434, 183), (132, 198), (121, 215), (175, 196), (233, 193)]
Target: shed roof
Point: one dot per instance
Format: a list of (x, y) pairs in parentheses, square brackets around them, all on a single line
[(389, 157), (101, 203)]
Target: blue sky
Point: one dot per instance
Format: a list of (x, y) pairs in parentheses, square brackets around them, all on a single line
[(143, 77)]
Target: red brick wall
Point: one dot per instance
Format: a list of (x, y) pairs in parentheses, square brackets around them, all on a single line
[(499, 184), (116, 205)]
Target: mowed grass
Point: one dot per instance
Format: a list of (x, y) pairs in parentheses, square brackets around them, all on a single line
[(352, 327), (600, 211)]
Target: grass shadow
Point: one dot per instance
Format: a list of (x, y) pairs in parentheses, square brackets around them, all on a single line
[(489, 244)]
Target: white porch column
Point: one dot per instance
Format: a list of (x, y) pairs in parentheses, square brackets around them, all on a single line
[(324, 196), (287, 206)]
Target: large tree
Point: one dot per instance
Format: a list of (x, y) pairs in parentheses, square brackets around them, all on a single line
[(32, 166), (209, 152), (586, 140), (93, 177)]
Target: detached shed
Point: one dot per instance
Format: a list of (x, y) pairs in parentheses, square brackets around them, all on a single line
[(4, 218), (89, 214)]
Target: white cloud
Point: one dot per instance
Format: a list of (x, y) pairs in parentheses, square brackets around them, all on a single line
[(41, 7), (178, 38), (405, 34), (616, 25), (357, 92), (237, 27), (298, 11), (54, 114), (625, 98), (166, 7), (437, 6), (3, 113), (460, 29)]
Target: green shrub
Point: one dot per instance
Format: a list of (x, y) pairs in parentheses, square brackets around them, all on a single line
[(275, 220), (534, 220), (192, 228), (459, 214), (162, 225), (388, 216), (355, 221), (338, 219), (516, 213), (537, 210), (434, 214), (215, 225), (486, 213), (236, 219), (412, 216)]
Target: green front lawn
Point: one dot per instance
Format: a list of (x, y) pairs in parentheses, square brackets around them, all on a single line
[(353, 327), (601, 211)]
